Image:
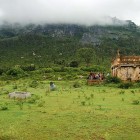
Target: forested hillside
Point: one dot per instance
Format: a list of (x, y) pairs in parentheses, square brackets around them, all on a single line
[(52, 45)]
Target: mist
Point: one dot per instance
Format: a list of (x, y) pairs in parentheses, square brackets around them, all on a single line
[(86, 12)]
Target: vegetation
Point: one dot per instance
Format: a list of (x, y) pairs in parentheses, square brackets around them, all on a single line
[(86, 54), (32, 56), (126, 85), (115, 80), (73, 111), (32, 47)]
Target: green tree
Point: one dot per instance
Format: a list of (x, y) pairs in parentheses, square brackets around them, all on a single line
[(86, 54)]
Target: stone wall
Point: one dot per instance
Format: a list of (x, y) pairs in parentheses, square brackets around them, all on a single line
[(128, 73), (126, 67)]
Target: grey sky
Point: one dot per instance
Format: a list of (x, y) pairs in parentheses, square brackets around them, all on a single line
[(69, 11)]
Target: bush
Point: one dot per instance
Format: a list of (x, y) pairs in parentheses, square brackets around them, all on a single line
[(115, 80), (33, 84), (5, 92), (70, 77), (30, 67), (125, 85), (74, 64), (47, 70), (135, 102), (1, 71), (121, 92), (16, 72), (70, 69), (4, 107), (57, 69), (15, 87), (76, 70), (83, 103), (41, 103), (76, 84), (93, 68), (67, 69), (33, 99)]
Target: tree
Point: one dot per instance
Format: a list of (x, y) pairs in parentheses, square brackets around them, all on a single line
[(86, 54)]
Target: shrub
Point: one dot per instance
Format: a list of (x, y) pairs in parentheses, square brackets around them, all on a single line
[(15, 87), (111, 79), (67, 69), (132, 91), (5, 92), (93, 68), (50, 76), (41, 103), (135, 102), (57, 69), (69, 77), (121, 92), (125, 85), (4, 106), (83, 103), (76, 84), (16, 72), (1, 71), (76, 70), (74, 64), (30, 67), (34, 84), (33, 99), (47, 70), (71, 70)]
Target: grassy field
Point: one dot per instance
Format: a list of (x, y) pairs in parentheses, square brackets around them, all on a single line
[(85, 113)]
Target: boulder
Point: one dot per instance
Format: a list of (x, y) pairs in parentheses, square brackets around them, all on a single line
[(19, 95)]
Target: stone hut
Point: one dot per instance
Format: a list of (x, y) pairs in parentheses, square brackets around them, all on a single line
[(126, 67)]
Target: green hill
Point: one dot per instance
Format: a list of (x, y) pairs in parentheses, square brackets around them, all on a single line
[(49, 45)]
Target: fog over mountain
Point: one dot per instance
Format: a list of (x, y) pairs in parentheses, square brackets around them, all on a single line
[(87, 12)]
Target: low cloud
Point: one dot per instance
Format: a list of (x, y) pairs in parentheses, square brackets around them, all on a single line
[(86, 12)]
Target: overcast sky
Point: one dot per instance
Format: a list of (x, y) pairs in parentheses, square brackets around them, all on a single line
[(69, 11)]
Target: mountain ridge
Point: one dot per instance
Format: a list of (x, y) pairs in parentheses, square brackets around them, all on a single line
[(18, 44)]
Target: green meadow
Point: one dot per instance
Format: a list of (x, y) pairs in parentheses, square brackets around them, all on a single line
[(98, 112), (33, 55)]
